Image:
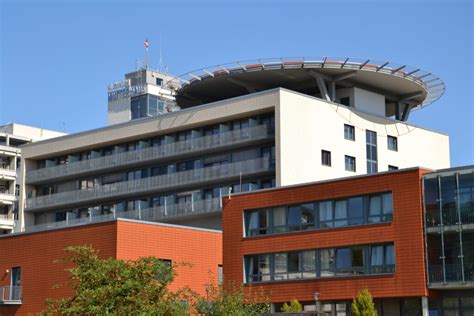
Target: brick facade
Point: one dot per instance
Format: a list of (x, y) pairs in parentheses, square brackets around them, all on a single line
[(405, 231), (36, 253)]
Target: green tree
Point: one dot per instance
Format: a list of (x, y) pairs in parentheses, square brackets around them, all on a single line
[(293, 307), (230, 300), (363, 304), (118, 287)]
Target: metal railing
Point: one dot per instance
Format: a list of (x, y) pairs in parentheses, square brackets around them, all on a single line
[(10, 294), (149, 154), (433, 85), (152, 184), (157, 213), (452, 273)]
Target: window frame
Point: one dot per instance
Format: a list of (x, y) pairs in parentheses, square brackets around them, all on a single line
[(326, 158), (349, 132), (392, 143), (347, 159)]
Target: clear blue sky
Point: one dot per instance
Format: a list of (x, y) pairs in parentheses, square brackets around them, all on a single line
[(57, 57)]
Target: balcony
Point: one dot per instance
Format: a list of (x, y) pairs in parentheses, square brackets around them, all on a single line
[(6, 197), (151, 154), (159, 213), (7, 174), (450, 218), (169, 182), (453, 276), (10, 295), (6, 221)]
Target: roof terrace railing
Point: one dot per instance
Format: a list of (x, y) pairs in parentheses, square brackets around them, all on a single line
[(150, 154), (432, 84), (158, 213), (152, 184)]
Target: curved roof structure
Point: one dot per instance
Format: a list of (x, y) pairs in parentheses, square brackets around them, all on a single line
[(398, 83)]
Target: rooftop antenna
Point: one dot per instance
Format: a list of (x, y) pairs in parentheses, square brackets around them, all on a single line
[(160, 67), (146, 44)]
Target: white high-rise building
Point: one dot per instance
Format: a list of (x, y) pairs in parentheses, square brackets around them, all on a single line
[(230, 128), (12, 136)]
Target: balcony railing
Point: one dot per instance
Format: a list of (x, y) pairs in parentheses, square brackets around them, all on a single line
[(10, 295), (453, 273), (6, 196), (158, 213), (152, 184), (149, 154), (6, 217), (450, 217)]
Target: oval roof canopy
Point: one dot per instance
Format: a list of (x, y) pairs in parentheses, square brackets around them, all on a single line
[(398, 83)]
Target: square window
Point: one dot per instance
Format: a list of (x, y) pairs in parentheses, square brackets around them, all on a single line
[(350, 163), (349, 132), (392, 143), (326, 158)]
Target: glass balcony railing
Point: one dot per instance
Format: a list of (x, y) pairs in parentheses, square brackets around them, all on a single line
[(158, 213), (167, 182), (450, 217), (10, 295), (452, 273), (150, 154)]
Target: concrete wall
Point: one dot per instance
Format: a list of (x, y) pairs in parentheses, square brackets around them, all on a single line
[(368, 101), (306, 125)]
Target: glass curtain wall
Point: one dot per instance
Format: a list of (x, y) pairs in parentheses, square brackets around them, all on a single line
[(449, 225)]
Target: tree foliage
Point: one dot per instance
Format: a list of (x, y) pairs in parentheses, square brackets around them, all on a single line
[(293, 307), (118, 287), (230, 300), (363, 304)]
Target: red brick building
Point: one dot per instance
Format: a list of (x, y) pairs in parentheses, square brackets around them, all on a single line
[(331, 239), (35, 255)]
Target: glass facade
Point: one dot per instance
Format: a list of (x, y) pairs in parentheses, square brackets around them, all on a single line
[(449, 226), (146, 105), (371, 148), (320, 263), (367, 209)]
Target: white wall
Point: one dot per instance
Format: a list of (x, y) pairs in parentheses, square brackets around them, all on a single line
[(306, 125), (369, 101)]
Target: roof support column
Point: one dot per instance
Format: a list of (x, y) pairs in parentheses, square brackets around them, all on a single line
[(332, 91), (321, 85)]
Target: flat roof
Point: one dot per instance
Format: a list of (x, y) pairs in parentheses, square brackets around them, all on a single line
[(397, 82)]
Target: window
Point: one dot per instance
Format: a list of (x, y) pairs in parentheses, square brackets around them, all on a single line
[(257, 222), (350, 261), (371, 147), (374, 208), (326, 158), (392, 143), (345, 101), (15, 283), (380, 208), (320, 263), (349, 132), (159, 81), (392, 168), (220, 275), (350, 163), (258, 268), (382, 259)]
